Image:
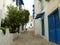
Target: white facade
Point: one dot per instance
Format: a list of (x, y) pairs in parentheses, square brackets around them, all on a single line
[(30, 23), (48, 8), (1, 9)]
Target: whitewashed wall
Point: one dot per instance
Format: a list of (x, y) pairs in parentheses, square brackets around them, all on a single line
[(7, 39), (20, 28), (37, 26), (48, 7), (37, 21), (1, 7), (5, 4)]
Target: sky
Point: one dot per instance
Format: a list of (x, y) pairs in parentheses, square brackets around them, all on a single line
[(28, 5)]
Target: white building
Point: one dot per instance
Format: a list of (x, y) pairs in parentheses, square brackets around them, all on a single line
[(3, 7), (29, 25), (47, 19)]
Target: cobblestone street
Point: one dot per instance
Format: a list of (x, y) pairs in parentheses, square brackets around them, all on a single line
[(28, 38)]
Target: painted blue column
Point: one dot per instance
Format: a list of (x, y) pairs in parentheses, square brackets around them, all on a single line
[(43, 30)]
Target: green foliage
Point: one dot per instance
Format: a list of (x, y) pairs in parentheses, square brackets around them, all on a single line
[(3, 30), (15, 18), (25, 16)]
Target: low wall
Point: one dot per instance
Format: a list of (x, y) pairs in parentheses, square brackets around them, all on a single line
[(7, 39)]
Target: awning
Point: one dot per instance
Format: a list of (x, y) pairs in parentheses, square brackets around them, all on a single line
[(39, 15)]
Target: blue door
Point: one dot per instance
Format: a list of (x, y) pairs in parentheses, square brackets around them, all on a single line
[(51, 25), (57, 27), (54, 27)]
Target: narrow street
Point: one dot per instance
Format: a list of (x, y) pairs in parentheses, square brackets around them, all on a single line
[(28, 38)]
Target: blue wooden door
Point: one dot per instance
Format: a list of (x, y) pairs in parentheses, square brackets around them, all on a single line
[(54, 27), (57, 27), (51, 25)]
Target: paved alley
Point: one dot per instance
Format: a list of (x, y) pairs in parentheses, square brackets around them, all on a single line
[(28, 38)]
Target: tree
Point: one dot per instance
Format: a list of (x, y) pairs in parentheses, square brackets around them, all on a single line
[(15, 18), (25, 16)]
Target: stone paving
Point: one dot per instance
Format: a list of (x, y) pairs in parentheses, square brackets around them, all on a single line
[(28, 38)]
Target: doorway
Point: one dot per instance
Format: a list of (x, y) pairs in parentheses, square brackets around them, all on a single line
[(54, 27)]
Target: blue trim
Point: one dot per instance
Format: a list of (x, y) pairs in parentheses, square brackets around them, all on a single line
[(43, 30), (39, 15)]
